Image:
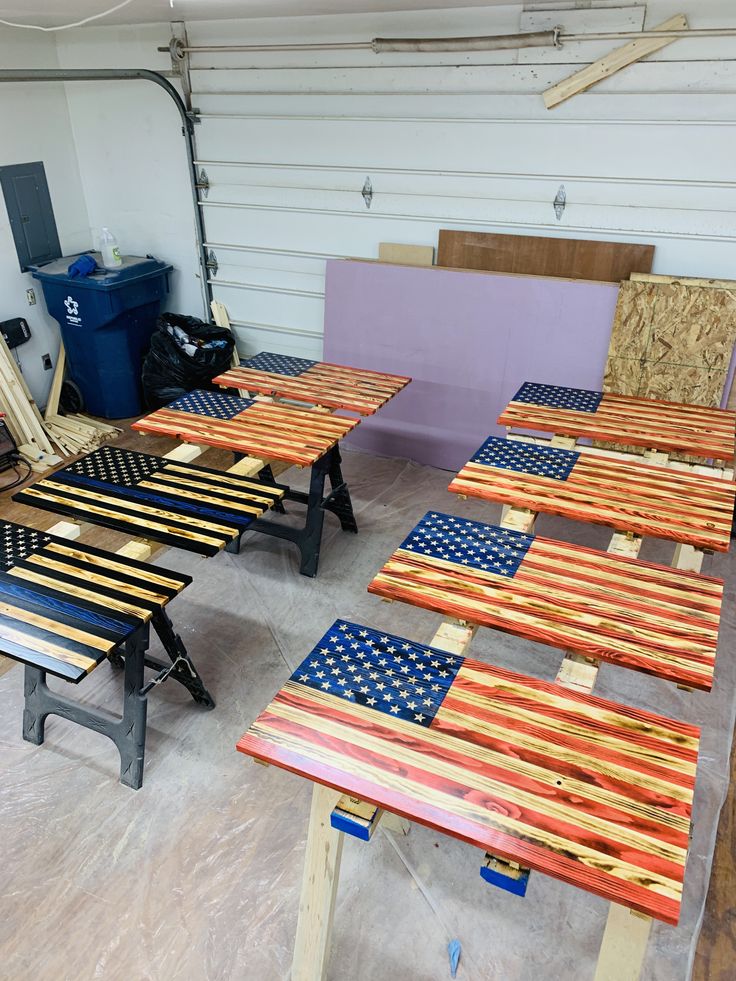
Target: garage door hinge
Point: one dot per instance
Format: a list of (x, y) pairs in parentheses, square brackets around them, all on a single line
[(211, 263), (560, 202), (367, 192), (203, 182)]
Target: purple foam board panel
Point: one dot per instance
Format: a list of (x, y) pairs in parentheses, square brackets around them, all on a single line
[(468, 339)]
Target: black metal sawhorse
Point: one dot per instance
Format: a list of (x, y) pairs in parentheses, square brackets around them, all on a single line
[(308, 538), (129, 731)]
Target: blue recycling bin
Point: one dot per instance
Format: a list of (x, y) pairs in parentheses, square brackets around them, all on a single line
[(106, 322)]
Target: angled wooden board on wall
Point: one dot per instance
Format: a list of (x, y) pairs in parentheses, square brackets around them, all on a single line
[(536, 255)]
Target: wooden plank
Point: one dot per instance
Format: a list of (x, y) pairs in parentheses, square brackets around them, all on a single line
[(221, 318), (180, 504), (65, 606), (611, 63), (636, 497), (634, 421), (596, 794), (259, 429), (406, 255), (638, 615), (317, 383), (52, 404), (537, 255), (13, 377)]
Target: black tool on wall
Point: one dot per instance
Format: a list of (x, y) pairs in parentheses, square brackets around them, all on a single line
[(15, 331)]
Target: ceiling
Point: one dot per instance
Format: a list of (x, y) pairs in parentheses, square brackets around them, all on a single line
[(48, 13)]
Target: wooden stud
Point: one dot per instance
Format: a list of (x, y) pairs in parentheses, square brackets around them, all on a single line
[(221, 318), (52, 403), (319, 889), (355, 817), (612, 63), (624, 945), (185, 452), (140, 550)]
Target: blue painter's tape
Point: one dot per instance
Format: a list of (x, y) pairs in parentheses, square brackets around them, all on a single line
[(507, 882)]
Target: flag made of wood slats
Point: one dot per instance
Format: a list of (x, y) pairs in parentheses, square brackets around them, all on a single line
[(260, 429), (637, 497), (334, 386), (669, 426), (65, 606), (179, 504), (594, 793), (638, 615)]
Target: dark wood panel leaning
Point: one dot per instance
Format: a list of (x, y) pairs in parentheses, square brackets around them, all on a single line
[(535, 255), (651, 618), (585, 790)]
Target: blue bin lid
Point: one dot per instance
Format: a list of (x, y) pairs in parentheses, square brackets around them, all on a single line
[(134, 269)]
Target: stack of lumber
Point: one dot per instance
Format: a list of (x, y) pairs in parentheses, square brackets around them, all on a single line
[(36, 435), (78, 434)]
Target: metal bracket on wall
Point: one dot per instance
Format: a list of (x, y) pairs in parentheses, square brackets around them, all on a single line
[(560, 202), (212, 263), (203, 182), (180, 59), (367, 192)]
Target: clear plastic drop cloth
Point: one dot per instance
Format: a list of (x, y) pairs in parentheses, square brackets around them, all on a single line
[(196, 876)]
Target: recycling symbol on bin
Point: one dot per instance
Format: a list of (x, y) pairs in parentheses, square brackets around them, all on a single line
[(72, 307)]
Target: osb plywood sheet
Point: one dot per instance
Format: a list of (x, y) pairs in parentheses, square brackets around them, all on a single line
[(671, 341), (535, 255), (687, 384)]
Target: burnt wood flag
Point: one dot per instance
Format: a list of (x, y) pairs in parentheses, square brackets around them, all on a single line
[(651, 618), (334, 386), (637, 497), (179, 504), (669, 426), (585, 790), (65, 606), (262, 429)]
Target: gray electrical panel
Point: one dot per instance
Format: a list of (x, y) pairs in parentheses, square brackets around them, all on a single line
[(30, 212)]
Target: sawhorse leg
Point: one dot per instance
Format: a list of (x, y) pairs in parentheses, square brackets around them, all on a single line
[(319, 889), (309, 538), (128, 733), (182, 667)]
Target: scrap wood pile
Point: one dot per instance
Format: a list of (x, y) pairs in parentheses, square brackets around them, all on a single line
[(39, 437)]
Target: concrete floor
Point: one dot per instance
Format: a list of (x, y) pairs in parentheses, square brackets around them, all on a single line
[(196, 876)]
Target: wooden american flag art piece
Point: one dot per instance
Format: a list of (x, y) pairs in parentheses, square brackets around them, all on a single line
[(65, 606), (179, 504), (585, 790), (651, 618), (263, 429), (669, 426), (630, 497), (334, 386)]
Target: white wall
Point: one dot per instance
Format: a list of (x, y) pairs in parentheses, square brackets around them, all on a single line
[(35, 126), (456, 140), (132, 154), (447, 141)]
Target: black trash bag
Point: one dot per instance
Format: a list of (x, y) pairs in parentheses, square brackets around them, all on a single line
[(186, 353)]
